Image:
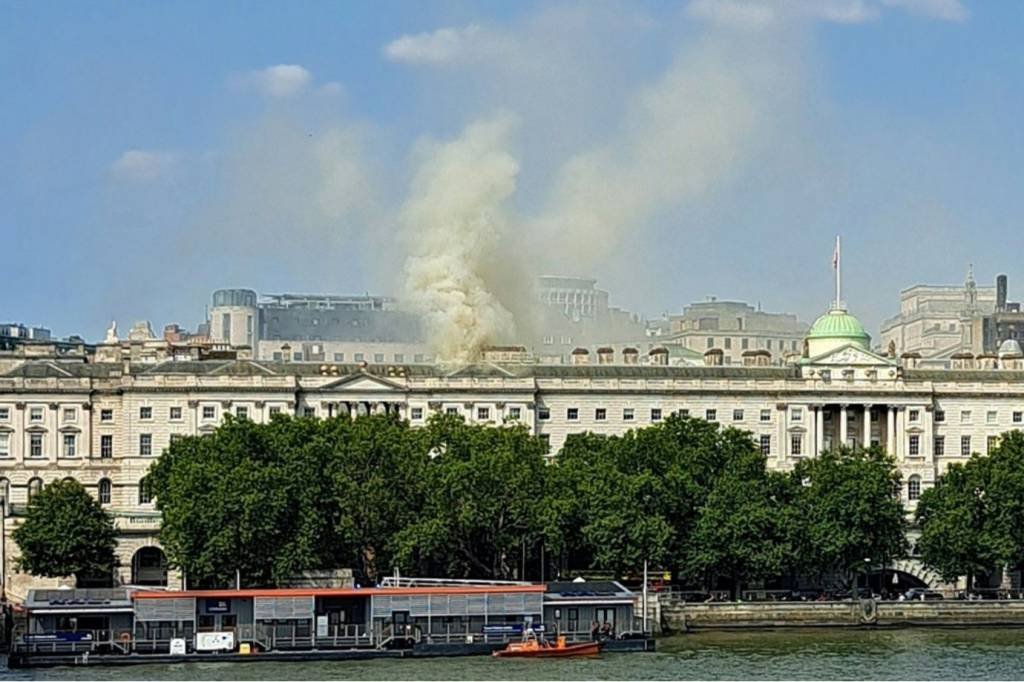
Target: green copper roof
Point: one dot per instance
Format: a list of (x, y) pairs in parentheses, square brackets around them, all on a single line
[(838, 324)]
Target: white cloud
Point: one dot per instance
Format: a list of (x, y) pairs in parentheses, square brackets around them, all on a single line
[(281, 80), (144, 165), (331, 89), (443, 46), (758, 14), (947, 10)]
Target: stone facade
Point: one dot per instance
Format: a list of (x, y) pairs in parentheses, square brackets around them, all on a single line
[(105, 422)]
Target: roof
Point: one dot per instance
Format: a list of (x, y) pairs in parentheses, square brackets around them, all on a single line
[(589, 588), (839, 324), (334, 591), (79, 601)]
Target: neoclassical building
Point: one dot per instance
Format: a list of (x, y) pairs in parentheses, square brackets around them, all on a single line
[(103, 418)]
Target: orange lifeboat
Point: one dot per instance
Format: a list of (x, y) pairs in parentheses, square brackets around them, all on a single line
[(531, 647)]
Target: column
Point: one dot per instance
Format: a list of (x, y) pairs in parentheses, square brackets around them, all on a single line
[(86, 443), (780, 431), (901, 428), (890, 430), (819, 429), (866, 442), (843, 425), (928, 446)]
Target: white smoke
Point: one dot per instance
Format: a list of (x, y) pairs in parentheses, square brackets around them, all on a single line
[(454, 223)]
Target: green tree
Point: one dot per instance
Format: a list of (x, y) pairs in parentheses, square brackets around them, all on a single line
[(1004, 495), (66, 532), (849, 512), (956, 522), (746, 527), (483, 488)]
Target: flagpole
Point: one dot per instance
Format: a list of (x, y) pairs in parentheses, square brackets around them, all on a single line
[(839, 277)]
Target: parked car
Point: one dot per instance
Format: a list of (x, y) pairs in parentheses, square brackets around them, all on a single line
[(921, 594)]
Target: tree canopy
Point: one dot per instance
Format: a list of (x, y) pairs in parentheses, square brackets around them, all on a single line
[(66, 533)]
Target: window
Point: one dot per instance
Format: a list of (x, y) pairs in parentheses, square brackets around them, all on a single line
[(711, 415), (145, 444), (991, 417), (274, 409), (378, 357), (728, 342), (769, 344), (359, 357), (627, 414), (766, 444), (451, 410), (209, 412), (339, 357), (35, 445), (5, 414), (940, 416), (737, 415), (543, 413), (399, 357), (796, 414), (104, 491), (914, 487), (965, 446), (572, 414), (600, 414), (1018, 417), (915, 446), (992, 444), (175, 413), (483, 413), (297, 356), (278, 356), (965, 416), (34, 486), (242, 412), (416, 413), (683, 413), (711, 342), (766, 415), (69, 444), (546, 440), (309, 411), (5, 445), (143, 492), (914, 415), (940, 445), (175, 437), (515, 413), (35, 414), (418, 357), (656, 414), (796, 444), (5, 495), (145, 412), (70, 414), (744, 343)]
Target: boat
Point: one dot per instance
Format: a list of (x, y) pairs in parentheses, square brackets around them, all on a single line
[(531, 647)]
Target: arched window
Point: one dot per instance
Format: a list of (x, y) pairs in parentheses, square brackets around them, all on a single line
[(104, 491), (34, 486), (913, 487), (5, 492), (143, 493)]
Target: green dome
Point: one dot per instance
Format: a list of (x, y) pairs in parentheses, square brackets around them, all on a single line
[(839, 324)]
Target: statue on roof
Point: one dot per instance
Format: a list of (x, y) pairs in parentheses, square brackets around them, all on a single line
[(111, 333)]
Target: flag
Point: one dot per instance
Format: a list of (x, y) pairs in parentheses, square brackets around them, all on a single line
[(835, 255)]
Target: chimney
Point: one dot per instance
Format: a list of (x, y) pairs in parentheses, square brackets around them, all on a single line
[(658, 356), (580, 356), (605, 356), (1000, 293), (630, 356)]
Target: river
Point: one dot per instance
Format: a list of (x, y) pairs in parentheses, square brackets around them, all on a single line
[(961, 654)]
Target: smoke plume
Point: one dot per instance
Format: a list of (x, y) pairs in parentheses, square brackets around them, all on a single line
[(454, 224)]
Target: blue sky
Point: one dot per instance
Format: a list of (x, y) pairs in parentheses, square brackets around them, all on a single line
[(155, 151)]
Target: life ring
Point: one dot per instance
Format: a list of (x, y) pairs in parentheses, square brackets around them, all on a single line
[(125, 636)]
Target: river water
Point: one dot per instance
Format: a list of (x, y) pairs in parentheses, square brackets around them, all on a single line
[(909, 654)]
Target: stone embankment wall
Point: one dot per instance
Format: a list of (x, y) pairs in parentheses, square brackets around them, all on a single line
[(679, 617)]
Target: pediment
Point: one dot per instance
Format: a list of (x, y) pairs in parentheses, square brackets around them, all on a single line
[(363, 382), (849, 356)]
